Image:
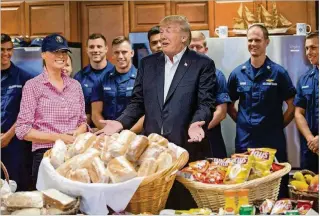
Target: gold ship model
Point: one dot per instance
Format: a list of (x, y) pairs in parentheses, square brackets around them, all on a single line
[(275, 22)]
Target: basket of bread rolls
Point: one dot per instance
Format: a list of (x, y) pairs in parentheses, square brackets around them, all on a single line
[(119, 158)]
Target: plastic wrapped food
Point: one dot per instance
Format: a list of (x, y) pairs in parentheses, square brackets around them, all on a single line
[(148, 167), (281, 206), (58, 153), (160, 140), (120, 170), (153, 151), (239, 170), (136, 148), (263, 159), (266, 206), (31, 199), (56, 199), (199, 166), (81, 144)]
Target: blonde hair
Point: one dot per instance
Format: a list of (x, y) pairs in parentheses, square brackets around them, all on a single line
[(182, 21), (198, 36)]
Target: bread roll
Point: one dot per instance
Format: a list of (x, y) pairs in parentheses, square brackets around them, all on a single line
[(106, 157), (148, 167), (160, 140), (164, 161), (56, 199), (58, 153), (97, 171), (126, 137), (25, 200), (27, 211), (79, 161), (153, 151), (120, 170), (117, 148), (115, 136), (136, 148), (82, 143), (80, 175), (101, 142)]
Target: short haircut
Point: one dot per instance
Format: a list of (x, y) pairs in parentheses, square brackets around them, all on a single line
[(263, 29), (197, 36), (313, 35), (120, 40), (96, 36), (5, 38), (182, 21), (153, 31)]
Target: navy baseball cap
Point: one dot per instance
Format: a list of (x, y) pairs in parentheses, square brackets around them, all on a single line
[(37, 42), (54, 42)]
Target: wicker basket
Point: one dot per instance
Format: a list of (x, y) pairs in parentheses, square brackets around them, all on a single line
[(212, 196), (153, 192), (5, 172), (303, 195)]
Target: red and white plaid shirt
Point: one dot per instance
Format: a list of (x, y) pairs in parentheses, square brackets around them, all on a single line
[(45, 109)]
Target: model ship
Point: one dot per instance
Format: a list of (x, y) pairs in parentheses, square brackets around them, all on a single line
[(275, 22)]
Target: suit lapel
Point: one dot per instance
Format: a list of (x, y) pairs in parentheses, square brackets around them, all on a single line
[(160, 79), (183, 66)]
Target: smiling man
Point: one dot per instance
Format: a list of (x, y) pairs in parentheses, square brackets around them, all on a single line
[(261, 86), (13, 150), (307, 107), (97, 49), (112, 92)]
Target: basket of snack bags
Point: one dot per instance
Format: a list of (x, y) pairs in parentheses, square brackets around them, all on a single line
[(305, 186), (254, 170), (124, 171)]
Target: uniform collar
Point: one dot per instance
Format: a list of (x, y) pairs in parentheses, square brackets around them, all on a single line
[(89, 68), (314, 72), (247, 68), (12, 70), (45, 77), (130, 74)]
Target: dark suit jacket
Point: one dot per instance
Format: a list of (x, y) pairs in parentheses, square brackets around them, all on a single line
[(190, 97)]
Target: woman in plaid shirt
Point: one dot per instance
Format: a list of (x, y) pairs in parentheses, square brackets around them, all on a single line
[(52, 105)]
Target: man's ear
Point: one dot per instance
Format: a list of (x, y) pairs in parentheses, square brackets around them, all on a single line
[(268, 41), (132, 53)]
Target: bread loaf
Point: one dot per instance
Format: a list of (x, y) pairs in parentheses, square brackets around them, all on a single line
[(79, 161), (148, 167), (120, 170), (117, 148), (101, 142), (80, 175), (136, 148), (58, 153), (115, 136), (27, 211), (82, 143), (25, 200), (56, 199), (153, 151), (126, 137), (160, 140), (97, 171), (164, 161)]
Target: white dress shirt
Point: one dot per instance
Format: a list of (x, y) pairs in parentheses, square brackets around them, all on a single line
[(170, 70)]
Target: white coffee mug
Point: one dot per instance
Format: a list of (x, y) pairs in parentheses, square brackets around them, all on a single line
[(302, 29), (222, 31)]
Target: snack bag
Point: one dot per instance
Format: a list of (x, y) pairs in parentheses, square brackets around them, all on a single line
[(281, 207), (220, 164), (304, 206), (263, 159), (199, 166), (215, 176), (239, 169), (266, 206)]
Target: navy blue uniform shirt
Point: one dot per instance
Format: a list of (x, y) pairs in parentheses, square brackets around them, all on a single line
[(215, 138), (87, 77), (308, 98), (260, 115), (115, 90), (14, 156)]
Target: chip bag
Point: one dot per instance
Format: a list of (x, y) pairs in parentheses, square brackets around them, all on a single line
[(239, 169), (263, 159), (199, 166), (220, 164)]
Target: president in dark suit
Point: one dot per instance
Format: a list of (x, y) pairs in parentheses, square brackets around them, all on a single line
[(174, 89)]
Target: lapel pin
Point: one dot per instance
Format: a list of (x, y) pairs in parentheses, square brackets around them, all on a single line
[(185, 64)]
